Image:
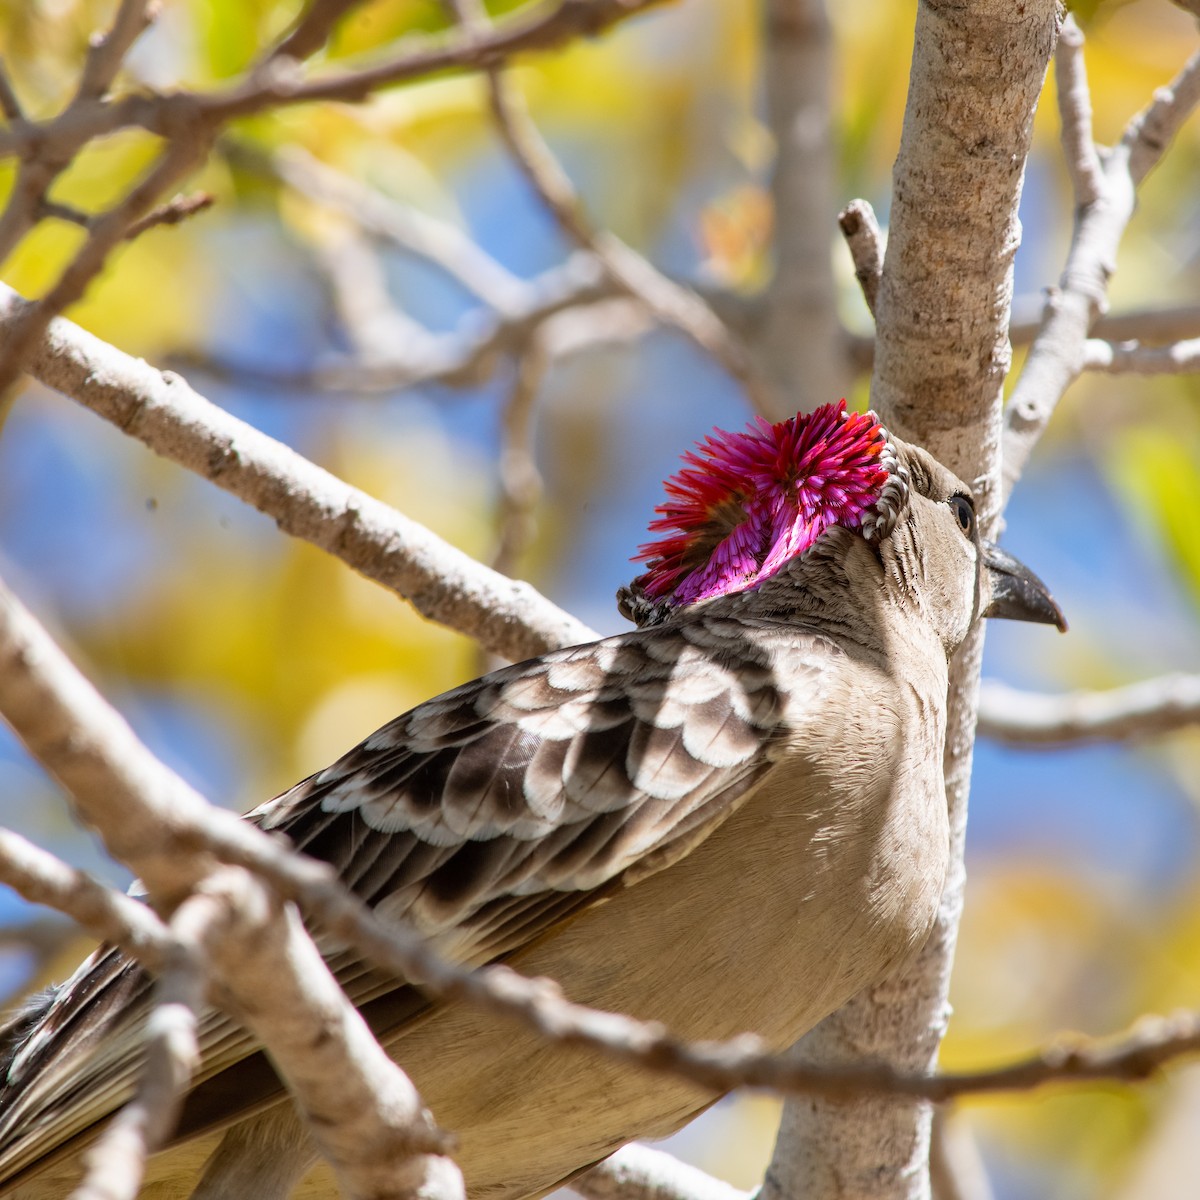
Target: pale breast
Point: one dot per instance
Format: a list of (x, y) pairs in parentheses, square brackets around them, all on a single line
[(804, 896)]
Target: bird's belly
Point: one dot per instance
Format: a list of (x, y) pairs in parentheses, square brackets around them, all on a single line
[(765, 927)]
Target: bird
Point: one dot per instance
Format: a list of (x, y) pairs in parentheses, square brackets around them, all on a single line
[(728, 819)]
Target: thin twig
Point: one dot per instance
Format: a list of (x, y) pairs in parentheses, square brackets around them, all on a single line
[(536, 27), (10, 106), (171, 213), (1177, 322), (108, 915), (312, 30), (1146, 709), (520, 481), (115, 1163), (1134, 358), (107, 51), (106, 231), (378, 332), (400, 225), (1075, 112), (1073, 309), (669, 302), (860, 228)]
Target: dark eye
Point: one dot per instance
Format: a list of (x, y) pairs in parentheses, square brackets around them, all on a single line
[(964, 511)]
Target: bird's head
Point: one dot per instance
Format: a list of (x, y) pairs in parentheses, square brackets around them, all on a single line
[(748, 506)]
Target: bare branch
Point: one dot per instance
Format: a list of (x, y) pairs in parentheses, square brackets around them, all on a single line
[(107, 51), (109, 915), (362, 1110), (376, 329), (637, 1172), (115, 1163), (171, 213), (865, 241), (520, 482), (400, 225), (10, 106), (462, 358), (1148, 135), (106, 230), (1146, 709), (1134, 358), (312, 30), (151, 820), (1171, 323), (797, 343), (162, 411), (537, 27), (1057, 354), (670, 302), (1075, 112), (1179, 322)]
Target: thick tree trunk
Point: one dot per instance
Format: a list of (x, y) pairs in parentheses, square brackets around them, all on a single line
[(941, 357)]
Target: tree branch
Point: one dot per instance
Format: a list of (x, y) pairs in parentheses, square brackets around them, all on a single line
[(637, 1172), (520, 481), (105, 231), (669, 302), (463, 358), (865, 241), (535, 27), (798, 343), (107, 52), (108, 915), (436, 241), (1075, 109), (10, 106), (1179, 322), (115, 1163), (941, 355), (151, 820), (1132, 357), (162, 411), (1146, 709), (1057, 354), (361, 1109)]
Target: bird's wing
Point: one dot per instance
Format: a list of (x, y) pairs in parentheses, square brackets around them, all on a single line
[(482, 817)]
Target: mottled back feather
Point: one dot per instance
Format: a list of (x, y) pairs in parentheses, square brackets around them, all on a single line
[(483, 817)]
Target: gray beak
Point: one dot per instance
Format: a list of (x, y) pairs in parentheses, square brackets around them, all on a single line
[(1017, 592)]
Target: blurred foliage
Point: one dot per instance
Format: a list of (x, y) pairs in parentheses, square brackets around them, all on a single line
[(291, 659)]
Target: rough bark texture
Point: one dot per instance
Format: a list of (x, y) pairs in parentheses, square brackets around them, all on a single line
[(942, 353)]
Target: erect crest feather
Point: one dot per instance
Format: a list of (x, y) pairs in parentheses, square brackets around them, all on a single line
[(745, 504)]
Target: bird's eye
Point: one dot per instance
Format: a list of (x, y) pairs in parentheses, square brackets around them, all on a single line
[(964, 511)]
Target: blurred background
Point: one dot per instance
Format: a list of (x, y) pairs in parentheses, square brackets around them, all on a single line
[(247, 660)]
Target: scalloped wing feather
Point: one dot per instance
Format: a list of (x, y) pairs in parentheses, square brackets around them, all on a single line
[(484, 816)]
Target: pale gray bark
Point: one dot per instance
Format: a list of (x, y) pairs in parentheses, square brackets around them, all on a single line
[(941, 356)]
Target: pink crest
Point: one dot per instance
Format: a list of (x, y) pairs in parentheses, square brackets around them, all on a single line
[(745, 504)]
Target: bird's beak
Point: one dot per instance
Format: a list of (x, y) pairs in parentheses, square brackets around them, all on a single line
[(1016, 592)]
